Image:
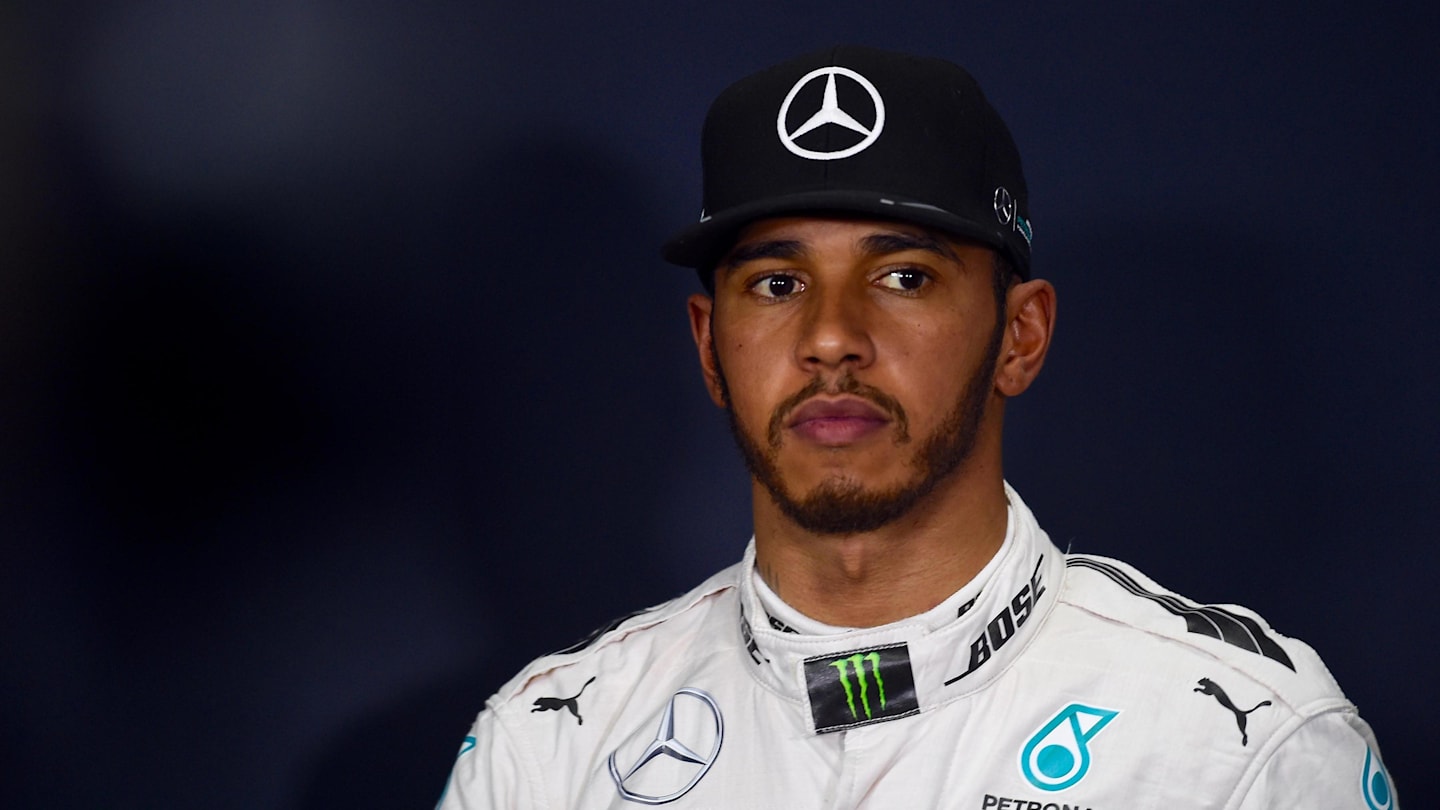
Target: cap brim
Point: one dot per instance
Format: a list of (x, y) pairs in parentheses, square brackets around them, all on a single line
[(705, 242)]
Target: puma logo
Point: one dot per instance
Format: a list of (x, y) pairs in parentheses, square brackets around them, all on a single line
[(555, 704), (1209, 687)]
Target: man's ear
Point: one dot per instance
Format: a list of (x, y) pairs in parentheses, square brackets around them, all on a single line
[(701, 308), (1030, 309)]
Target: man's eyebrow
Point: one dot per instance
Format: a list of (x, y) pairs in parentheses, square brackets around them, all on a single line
[(897, 242), (768, 249)]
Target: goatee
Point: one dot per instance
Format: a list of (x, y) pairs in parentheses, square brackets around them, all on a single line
[(844, 506)]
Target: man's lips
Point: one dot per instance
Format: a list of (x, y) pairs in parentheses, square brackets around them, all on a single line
[(837, 422)]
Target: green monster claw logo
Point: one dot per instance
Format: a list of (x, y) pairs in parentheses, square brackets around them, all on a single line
[(858, 662), (856, 687)]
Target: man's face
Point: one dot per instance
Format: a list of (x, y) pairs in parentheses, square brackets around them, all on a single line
[(855, 359)]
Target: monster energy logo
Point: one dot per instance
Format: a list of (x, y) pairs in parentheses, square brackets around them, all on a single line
[(860, 686), (858, 662)]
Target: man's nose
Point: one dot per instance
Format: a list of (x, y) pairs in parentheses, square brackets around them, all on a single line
[(834, 331)]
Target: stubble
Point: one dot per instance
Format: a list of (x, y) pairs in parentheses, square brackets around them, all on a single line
[(844, 506)]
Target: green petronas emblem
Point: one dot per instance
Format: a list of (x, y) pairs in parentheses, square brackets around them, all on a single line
[(857, 661)]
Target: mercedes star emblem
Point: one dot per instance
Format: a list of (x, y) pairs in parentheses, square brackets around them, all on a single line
[(668, 743), (830, 113), (1004, 205)]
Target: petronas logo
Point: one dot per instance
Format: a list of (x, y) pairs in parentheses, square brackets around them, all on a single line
[(1058, 755), (858, 687), (1375, 784), (857, 662)]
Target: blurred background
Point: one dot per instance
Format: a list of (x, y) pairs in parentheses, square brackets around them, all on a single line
[(340, 376)]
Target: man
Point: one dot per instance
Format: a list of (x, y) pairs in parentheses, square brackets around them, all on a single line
[(900, 632)]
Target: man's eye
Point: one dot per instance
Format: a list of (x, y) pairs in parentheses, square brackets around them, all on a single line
[(904, 280), (777, 286)]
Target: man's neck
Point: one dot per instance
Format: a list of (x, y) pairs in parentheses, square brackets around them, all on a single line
[(897, 571)]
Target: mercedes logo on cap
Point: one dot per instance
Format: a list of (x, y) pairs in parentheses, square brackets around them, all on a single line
[(668, 741), (1004, 206), (831, 114)]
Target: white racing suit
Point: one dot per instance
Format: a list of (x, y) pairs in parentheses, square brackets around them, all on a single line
[(1049, 682)]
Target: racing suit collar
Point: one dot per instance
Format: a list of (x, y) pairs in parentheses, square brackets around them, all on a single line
[(950, 651)]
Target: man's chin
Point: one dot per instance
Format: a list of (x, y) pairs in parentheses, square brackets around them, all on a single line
[(844, 507)]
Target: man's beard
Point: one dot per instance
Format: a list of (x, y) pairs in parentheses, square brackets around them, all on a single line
[(844, 506)]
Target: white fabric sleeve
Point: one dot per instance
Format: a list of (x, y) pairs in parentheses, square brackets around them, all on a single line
[(1331, 762), (489, 772)]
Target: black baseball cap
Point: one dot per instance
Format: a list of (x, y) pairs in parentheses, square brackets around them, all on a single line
[(858, 130)]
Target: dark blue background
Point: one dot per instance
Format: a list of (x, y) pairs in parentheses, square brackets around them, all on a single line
[(339, 375)]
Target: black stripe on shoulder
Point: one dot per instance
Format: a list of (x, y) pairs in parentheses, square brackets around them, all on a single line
[(1206, 620), (595, 634)]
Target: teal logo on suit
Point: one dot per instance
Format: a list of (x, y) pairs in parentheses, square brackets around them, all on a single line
[(1058, 755)]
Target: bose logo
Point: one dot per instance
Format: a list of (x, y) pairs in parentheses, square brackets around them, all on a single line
[(1006, 623)]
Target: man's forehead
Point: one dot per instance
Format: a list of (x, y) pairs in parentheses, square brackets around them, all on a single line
[(801, 232)]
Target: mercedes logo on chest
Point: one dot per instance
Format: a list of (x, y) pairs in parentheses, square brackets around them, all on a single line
[(674, 741), (832, 114)]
